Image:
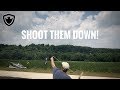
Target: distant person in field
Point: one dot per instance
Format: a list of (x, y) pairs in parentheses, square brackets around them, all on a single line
[(60, 73)]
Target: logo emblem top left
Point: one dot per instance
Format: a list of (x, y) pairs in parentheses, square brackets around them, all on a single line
[(9, 19)]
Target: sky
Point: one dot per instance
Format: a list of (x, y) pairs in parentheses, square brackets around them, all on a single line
[(106, 22)]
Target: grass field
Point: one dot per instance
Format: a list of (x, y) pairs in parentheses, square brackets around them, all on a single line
[(76, 67)]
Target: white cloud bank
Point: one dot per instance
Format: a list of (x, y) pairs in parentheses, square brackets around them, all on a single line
[(106, 22)]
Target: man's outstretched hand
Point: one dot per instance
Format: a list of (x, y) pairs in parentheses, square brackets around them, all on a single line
[(52, 58)]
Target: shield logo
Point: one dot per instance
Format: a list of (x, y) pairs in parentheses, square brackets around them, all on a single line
[(9, 19)]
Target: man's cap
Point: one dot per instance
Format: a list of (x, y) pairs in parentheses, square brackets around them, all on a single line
[(65, 65)]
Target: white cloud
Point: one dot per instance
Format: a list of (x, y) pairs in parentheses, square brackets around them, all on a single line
[(88, 24), (38, 20), (107, 18)]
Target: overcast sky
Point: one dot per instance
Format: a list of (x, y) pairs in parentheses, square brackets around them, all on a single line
[(106, 22)]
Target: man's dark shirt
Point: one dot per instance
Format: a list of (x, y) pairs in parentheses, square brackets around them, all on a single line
[(59, 74)]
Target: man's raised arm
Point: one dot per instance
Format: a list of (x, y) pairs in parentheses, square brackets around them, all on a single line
[(52, 62)]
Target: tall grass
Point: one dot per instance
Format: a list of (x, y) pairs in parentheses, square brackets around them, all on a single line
[(39, 65)]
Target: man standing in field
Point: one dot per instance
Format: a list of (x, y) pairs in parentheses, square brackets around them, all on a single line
[(60, 74)]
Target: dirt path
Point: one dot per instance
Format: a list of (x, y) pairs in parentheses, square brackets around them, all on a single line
[(32, 75)]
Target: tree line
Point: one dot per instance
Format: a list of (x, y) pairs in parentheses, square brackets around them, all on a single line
[(62, 52)]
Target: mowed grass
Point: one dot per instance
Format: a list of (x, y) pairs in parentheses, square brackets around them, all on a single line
[(76, 67)]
